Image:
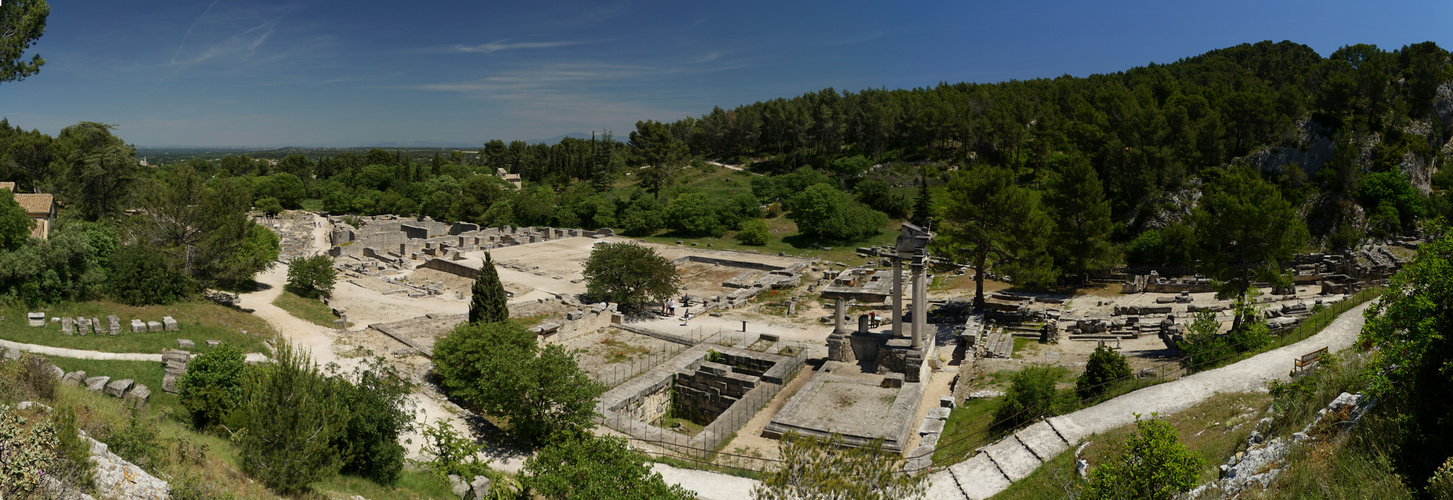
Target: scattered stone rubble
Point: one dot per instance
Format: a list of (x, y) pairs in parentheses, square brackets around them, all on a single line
[(112, 326), (390, 242), (478, 489), (174, 362)]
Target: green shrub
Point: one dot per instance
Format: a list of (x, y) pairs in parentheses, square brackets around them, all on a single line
[(312, 276), (212, 386), (500, 368), (378, 408), (289, 419), (26, 451), (1031, 395), (1104, 368), (754, 232), (140, 276), (1154, 466), (826, 468), (451, 453), (137, 441), (583, 466)]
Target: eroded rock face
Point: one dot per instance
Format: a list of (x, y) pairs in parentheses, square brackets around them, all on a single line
[(117, 479)]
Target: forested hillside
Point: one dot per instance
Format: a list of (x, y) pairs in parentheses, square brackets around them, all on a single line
[(1110, 166)]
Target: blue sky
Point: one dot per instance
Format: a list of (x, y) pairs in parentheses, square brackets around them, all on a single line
[(345, 73)]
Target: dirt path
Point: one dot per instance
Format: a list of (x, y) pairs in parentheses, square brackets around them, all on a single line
[(318, 340)]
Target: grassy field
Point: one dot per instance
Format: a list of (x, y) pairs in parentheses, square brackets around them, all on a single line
[(198, 321), (310, 310), (1216, 428), (967, 429)]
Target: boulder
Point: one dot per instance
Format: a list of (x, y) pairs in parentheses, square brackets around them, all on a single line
[(458, 486), (118, 388), (479, 488), (96, 384)]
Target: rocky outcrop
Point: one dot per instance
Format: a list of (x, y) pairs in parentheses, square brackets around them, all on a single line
[(1265, 459), (117, 479)]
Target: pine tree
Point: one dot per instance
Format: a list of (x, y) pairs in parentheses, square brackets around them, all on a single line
[(923, 206), (488, 302)]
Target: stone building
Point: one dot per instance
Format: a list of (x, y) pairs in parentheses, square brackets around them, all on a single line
[(39, 206)]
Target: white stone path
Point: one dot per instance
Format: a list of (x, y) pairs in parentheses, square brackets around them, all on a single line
[(1018, 455)]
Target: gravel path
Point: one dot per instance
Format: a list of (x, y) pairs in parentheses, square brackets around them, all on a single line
[(80, 353), (1018, 455)]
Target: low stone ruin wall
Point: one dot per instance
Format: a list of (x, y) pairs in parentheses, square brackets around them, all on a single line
[(709, 389)]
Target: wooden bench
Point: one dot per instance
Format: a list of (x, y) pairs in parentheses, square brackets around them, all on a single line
[(1308, 360)]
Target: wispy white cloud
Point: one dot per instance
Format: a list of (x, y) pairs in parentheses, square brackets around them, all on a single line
[(502, 45), (242, 45)]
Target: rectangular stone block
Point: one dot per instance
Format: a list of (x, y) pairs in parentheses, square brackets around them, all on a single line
[(940, 413), (138, 326), (118, 388), (140, 394), (213, 343), (153, 326), (1016, 461), (930, 426), (74, 378), (113, 324), (95, 384), (978, 477), (169, 324), (1042, 439), (36, 319), (185, 344), (83, 326), (68, 326)]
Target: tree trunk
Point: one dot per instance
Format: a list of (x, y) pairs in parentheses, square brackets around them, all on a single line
[(979, 258)]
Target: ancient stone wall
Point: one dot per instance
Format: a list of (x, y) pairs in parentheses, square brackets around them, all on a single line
[(703, 393), (650, 404)]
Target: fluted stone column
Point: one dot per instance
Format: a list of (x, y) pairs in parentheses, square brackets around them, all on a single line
[(919, 306), (897, 297)]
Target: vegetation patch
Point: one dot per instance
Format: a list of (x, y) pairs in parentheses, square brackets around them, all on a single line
[(198, 321), (311, 310)]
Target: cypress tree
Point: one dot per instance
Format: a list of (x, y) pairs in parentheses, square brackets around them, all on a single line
[(923, 206), (488, 303)]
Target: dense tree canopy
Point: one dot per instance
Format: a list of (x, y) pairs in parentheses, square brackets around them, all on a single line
[(22, 22), (1245, 229), (995, 224)]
